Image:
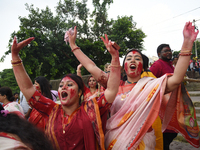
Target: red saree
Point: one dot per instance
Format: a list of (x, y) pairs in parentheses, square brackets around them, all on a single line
[(82, 130)]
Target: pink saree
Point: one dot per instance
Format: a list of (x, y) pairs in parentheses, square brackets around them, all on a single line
[(132, 118)]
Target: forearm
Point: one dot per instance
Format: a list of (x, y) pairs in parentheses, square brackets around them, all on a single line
[(181, 66), (22, 78), (114, 79), (87, 63), (78, 72)]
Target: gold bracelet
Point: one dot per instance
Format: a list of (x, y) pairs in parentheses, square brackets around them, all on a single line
[(78, 70), (185, 51), (16, 62), (115, 65), (19, 64), (185, 54), (75, 49)]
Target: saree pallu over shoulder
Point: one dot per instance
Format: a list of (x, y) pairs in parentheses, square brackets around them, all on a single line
[(127, 127)]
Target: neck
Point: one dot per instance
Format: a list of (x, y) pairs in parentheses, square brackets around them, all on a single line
[(6, 102), (133, 80), (70, 109), (93, 89)]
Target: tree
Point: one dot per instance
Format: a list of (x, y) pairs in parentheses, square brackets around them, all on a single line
[(125, 33), (41, 56), (49, 56), (7, 78)]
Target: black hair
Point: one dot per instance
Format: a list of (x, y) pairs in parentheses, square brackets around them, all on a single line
[(27, 132), (79, 82), (175, 56), (44, 86), (144, 58), (8, 92), (88, 82), (161, 46), (16, 93)]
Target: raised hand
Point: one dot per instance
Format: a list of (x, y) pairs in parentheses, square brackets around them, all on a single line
[(16, 47), (72, 38), (79, 67), (108, 44), (189, 32)]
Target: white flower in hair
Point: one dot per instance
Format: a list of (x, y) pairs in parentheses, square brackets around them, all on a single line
[(66, 37)]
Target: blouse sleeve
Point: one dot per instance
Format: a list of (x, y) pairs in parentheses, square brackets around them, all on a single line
[(41, 103)]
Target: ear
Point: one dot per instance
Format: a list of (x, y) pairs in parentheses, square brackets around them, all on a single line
[(159, 55), (80, 93)]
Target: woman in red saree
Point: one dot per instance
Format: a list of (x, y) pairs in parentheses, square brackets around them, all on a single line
[(71, 125), (92, 89), (140, 100)]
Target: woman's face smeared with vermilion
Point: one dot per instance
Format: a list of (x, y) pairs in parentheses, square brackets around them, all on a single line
[(133, 64), (68, 92), (92, 82), (37, 86)]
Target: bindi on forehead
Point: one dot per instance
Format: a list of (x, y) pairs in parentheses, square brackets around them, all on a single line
[(134, 52)]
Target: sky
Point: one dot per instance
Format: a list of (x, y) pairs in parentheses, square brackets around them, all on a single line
[(161, 20)]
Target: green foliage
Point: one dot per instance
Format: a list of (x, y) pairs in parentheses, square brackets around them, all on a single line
[(125, 33), (175, 53), (7, 78), (49, 56)]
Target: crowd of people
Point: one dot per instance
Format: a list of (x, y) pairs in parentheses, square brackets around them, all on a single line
[(139, 108)]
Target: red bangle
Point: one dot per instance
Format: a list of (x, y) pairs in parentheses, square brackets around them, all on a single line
[(185, 54), (16, 62), (75, 49)]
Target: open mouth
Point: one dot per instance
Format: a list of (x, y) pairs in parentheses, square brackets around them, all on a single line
[(64, 95), (132, 66)]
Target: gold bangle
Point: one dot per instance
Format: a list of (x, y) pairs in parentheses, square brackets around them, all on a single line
[(115, 65), (16, 62), (19, 64), (185, 51), (185, 54), (75, 49), (78, 70)]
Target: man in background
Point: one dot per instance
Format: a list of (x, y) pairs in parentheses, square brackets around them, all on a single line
[(160, 67)]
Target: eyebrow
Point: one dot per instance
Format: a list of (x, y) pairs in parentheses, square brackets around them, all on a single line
[(134, 56), (67, 82)]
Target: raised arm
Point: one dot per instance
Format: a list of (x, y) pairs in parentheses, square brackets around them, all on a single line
[(78, 70), (115, 72), (112, 83), (91, 67), (24, 82), (189, 35)]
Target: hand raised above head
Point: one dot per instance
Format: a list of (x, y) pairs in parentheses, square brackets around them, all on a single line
[(70, 36), (189, 32), (109, 45), (16, 47)]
